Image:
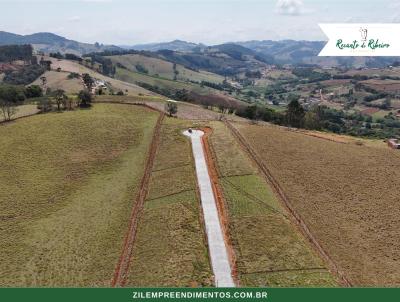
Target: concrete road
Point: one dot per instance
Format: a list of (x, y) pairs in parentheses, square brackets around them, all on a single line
[(218, 253)]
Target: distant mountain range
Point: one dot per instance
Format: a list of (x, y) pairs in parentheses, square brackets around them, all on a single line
[(48, 42), (176, 45), (267, 51)]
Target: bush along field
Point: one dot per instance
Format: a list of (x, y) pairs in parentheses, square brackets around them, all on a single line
[(269, 249), (67, 183)]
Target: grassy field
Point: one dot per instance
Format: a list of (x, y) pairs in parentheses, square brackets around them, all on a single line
[(165, 69), (270, 251), (67, 182), (346, 193), (170, 249)]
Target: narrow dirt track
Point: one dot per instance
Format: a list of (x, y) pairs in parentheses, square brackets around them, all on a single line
[(286, 203), (122, 268)]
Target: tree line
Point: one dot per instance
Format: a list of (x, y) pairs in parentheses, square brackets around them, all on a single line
[(10, 53), (11, 96)]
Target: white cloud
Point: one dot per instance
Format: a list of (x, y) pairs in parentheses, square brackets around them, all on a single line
[(74, 19), (291, 7)]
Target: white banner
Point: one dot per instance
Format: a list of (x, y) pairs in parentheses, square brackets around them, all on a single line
[(361, 40)]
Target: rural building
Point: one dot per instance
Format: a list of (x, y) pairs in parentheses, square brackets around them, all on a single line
[(394, 143)]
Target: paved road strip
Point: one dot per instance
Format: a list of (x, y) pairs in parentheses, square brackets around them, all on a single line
[(218, 252)]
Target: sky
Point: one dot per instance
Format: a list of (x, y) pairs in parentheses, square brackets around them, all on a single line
[(129, 22)]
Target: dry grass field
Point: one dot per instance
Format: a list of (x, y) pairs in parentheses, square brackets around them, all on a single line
[(58, 80), (269, 249), (67, 183), (170, 247), (346, 193)]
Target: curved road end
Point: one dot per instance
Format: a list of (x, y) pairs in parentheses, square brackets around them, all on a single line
[(218, 253)]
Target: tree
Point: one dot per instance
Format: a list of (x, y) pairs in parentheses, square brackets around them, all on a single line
[(60, 98), (85, 98), (45, 63), (43, 79), (45, 105), (295, 114), (33, 91), (8, 109), (171, 108), (88, 81), (10, 96)]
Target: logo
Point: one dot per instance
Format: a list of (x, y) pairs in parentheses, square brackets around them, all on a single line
[(361, 40), (364, 34)]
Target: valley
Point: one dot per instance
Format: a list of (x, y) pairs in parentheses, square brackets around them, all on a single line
[(99, 185)]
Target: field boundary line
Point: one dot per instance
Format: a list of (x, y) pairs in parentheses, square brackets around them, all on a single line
[(5, 122), (122, 268), (169, 195), (282, 196), (284, 270), (254, 198), (171, 168)]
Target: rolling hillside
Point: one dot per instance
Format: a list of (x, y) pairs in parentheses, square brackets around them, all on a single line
[(59, 80), (158, 67), (306, 52)]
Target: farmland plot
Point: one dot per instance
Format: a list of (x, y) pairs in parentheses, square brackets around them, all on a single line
[(269, 250), (170, 247), (347, 194), (67, 184)]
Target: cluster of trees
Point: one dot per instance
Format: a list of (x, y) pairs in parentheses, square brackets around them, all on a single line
[(218, 86), (67, 56), (45, 63), (23, 76), (106, 65), (10, 97), (140, 68), (59, 101), (73, 75), (10, 53), (173, 94)]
